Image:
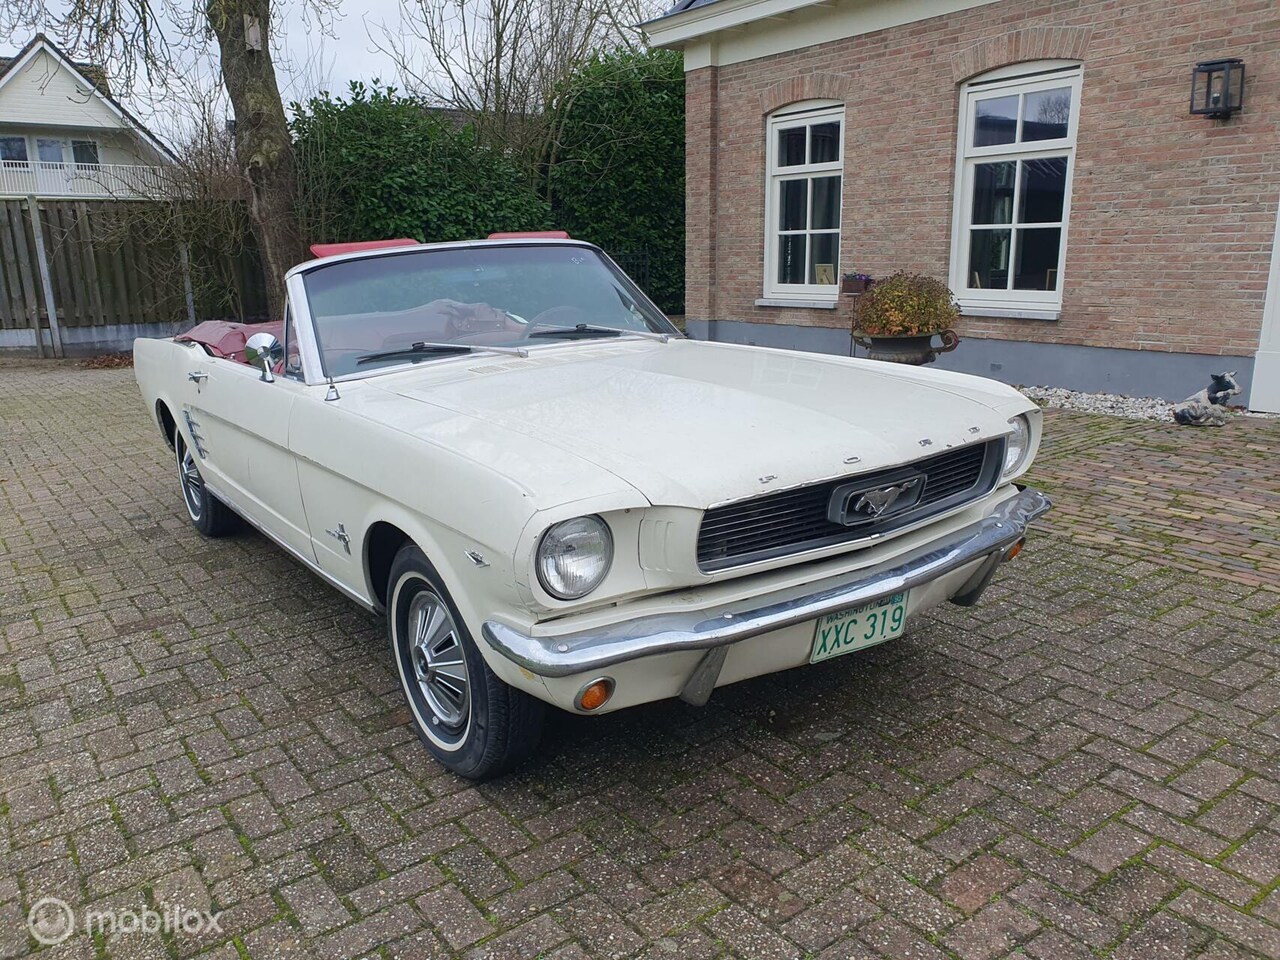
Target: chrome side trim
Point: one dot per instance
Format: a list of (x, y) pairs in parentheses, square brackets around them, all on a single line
[(193, 430), (311, 565), (571, 653)]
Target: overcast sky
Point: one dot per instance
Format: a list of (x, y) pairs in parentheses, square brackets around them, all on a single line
[(320, 59)]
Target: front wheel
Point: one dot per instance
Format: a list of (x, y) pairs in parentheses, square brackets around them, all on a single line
[(208, 514), (469, 719)]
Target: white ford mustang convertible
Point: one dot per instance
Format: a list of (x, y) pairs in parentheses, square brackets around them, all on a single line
[(555, 497)]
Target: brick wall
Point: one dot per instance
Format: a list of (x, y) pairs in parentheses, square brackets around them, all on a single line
[(1172, 216)]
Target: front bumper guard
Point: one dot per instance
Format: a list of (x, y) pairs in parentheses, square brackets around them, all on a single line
[(713, 630)]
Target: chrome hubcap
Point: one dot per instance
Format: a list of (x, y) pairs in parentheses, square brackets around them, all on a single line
[(192, 482), (438, 661)]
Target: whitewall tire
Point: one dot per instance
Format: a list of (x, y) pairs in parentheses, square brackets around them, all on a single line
[(470, 720)]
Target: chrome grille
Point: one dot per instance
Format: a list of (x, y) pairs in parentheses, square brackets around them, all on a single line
[(792, 521)]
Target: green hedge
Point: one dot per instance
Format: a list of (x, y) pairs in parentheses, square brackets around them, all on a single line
[(375, 165), (616, 175)]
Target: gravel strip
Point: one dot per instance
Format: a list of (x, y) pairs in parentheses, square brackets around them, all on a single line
[(1113, 404)]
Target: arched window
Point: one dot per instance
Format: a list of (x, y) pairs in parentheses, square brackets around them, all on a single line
[(802, 211), (1013, 188)]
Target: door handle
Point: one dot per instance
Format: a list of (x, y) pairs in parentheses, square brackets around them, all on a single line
[(197, 375)]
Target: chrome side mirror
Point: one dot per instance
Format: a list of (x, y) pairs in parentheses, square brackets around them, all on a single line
[(263, 350)]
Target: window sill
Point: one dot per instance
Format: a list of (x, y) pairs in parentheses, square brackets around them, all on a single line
[(805, 304), (1010, 311)]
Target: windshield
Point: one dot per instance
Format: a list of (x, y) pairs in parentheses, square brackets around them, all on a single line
[(381, 311)]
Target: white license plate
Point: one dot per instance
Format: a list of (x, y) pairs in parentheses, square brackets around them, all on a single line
[(850, 630)]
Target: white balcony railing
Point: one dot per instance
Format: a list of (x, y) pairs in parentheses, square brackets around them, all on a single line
[(20, 178)]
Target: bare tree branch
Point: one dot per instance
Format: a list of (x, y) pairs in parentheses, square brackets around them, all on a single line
[(156, 36), (504, 63)]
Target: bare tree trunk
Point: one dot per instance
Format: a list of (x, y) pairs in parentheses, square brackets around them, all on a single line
[(264, 149)]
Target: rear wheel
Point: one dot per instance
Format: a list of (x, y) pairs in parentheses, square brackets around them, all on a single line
[(469, 719), (208, 514)]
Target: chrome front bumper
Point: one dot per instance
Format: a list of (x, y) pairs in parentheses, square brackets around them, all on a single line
[(586, 651)]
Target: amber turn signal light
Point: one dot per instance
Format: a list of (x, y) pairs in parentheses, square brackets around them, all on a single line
[(1014, 550), (595, 694)]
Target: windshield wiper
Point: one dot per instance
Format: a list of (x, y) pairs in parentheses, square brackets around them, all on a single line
[(585, 331), (425, 348)]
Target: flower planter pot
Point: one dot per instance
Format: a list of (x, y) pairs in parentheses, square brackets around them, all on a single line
[(854, 286), (913, 350)]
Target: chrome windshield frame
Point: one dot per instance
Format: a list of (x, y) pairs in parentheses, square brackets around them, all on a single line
[(304, 321)]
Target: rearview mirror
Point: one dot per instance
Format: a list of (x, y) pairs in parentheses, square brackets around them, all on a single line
[(263, 350)]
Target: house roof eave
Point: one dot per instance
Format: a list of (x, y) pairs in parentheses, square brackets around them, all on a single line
[(41, 42), (678, 27)]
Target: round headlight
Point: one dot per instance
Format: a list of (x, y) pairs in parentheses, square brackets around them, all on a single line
[(574, 557), (1017, 444)]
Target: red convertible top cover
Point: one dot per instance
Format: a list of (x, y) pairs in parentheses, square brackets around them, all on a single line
[(222, 338), (333, 249), (531, 235)]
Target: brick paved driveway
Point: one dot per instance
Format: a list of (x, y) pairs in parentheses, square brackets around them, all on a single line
[(1085, 765)]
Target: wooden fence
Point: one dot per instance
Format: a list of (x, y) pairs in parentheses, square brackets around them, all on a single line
[(101, 263)]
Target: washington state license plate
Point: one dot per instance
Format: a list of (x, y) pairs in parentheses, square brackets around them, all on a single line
[(850, 630)]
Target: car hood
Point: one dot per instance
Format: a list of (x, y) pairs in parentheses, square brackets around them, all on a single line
[(694, 424)]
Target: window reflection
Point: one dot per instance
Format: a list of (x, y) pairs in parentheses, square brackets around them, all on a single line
[(791, 147), (993, 185), (1044, 187), (826, 203), (825, 257), (824, 146), (791, 258), (995, 121), (989, 259), (1046, 114), (794, 204), (1038, 259)]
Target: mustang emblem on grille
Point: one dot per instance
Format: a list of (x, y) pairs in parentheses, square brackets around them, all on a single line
[(872, 503), (853, 504)]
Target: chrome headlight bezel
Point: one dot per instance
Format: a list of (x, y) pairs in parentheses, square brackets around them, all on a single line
[(588, 530), (1017, 446)]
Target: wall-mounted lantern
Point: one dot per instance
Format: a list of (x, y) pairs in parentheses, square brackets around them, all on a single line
[(1217, 88)]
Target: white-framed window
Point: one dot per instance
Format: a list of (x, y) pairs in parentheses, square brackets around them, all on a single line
[(19, 149), (1014, 162), (13, 150), (49, 150), (805, 167), (84, 153)]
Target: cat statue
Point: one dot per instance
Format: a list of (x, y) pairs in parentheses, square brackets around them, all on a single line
[(1208, 408)]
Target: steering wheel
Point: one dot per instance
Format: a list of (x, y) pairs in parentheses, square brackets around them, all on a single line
[(562, 316)]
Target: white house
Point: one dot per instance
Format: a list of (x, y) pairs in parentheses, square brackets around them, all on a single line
[(63, 135)]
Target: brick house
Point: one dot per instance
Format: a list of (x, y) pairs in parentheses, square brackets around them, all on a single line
[(1040, 155)]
